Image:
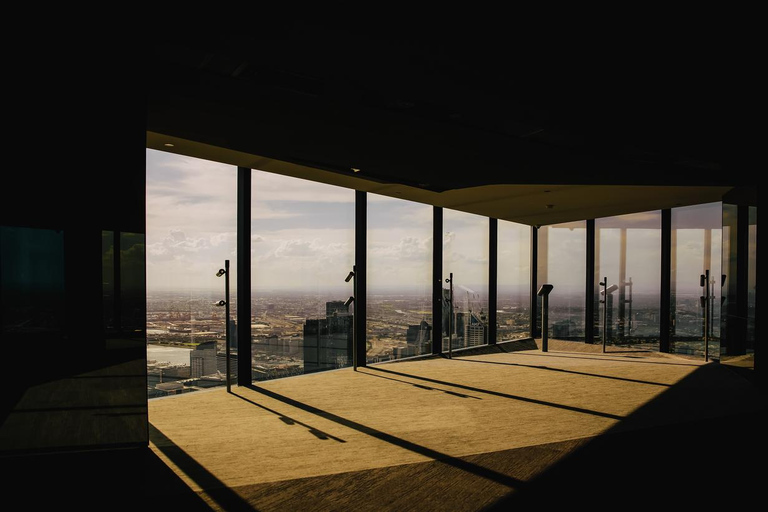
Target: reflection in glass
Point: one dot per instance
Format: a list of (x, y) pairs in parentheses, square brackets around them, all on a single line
[(514, 277), (562, 257), (739, 285), (32, 291), (628, 254), (465, 256), (191, 231), (752, 280), (697, 238), (399, 279), (302, 235)]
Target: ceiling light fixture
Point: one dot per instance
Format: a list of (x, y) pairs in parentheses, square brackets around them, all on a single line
[(354, 169), (168, 145)]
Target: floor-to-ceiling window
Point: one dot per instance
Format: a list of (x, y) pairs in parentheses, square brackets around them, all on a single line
[(514, 277), (191, 232), (628, 263), (562, 256), (465, 257), (695, 300), (399, 279), (302, 239), (752, 280)]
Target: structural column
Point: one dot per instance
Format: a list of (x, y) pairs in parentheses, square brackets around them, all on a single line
[(437, 280), (361, 251), (589, 290), (493, 260), (534, 278), (243, 276), (665, 303)]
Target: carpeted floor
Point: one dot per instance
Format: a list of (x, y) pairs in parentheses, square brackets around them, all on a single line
[(476, 431)]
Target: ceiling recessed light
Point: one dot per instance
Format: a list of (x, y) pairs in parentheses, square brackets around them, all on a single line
[(168, 145), (354, 169)]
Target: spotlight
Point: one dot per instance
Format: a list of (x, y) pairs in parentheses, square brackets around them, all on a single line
[(221, 303), (349, 301), (221, 272), (349, 276)]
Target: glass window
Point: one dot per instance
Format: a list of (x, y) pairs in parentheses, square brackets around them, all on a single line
[(302, 235), (752, 281), (191, 231), (562, 255), (696, 242), (465, 257), (628, 257), (514, 281), (399, 279)]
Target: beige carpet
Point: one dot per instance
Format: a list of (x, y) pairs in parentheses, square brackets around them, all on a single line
[(446, 417)]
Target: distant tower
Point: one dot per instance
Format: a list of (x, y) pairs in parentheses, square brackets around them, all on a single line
[(328, 341)]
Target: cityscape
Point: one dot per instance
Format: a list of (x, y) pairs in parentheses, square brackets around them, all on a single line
[(298, 333)]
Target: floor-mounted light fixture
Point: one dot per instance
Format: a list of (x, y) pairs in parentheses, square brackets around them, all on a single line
[(606, 293), (353, 275), (544, 292), (225, 272), (450, 315)]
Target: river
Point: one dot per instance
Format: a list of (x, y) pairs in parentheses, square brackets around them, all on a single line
[(173, 355)]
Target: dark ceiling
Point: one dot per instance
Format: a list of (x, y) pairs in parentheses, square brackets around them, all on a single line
[(424, 120)]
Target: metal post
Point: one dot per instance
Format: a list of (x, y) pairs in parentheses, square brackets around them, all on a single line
[(545, 323), (604, 284), (544, 292), (450, 316), (354, 318), (226, 297), (707, 313)]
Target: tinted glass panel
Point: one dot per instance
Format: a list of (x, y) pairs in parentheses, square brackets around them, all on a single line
[(302, 251), (465, 256), (514, 281), (562, 255), (191, 232), (399, 279)]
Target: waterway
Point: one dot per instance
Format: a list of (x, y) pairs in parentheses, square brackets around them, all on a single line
[(172, 355)]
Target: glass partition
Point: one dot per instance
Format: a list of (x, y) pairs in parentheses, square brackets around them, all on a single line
[(697, 243), (191, 231), (302, 239), (562, 260), (399, 279), (514, 281), (465, 257), (628, 261)]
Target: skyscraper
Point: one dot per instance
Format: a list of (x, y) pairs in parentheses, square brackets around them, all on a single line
[(328, 341)]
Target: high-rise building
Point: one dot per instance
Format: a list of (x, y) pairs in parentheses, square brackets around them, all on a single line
[(328, 341)]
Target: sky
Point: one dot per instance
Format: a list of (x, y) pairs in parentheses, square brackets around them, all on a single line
[(303, 237)]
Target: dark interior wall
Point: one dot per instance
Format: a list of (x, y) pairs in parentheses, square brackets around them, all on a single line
[(72, 262)]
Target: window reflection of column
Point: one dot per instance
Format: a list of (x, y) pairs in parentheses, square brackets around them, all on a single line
[(673, 285), (596, 308), (622, 281)]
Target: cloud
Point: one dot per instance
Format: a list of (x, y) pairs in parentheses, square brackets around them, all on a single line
[(408, 248)]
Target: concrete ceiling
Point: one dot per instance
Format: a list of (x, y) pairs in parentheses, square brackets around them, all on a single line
[(442, 126)]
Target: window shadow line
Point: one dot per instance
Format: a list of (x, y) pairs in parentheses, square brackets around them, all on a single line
[(428, 388), (505, 395), (290, 421), (212, 486), (444, 458), (537, 367), (603, 359)]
